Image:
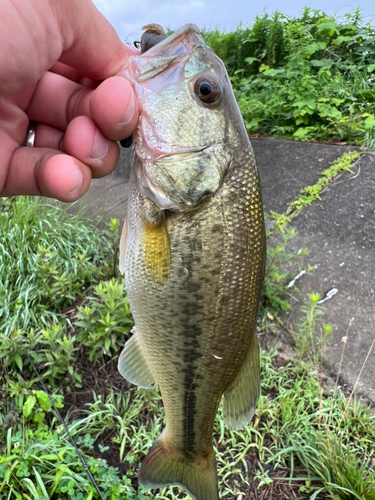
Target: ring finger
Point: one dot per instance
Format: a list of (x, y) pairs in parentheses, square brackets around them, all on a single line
[(48, 137)]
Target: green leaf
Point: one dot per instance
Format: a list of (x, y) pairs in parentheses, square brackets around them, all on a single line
[(43, 400), (250, 60), (41, 484), (28, 406), (38, 416), (371, 68), (369, 122), (314, 47), (329, 27), (18, 360), (263, 67), (50, 456), (340, 39), (31, 487), (302, 132), (322, 63)]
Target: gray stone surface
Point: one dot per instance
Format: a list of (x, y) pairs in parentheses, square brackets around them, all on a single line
[(107, 198), (286, 167), (339, 231)]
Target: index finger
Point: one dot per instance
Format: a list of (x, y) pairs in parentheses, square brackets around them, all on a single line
[(91, 44), (47, 31)]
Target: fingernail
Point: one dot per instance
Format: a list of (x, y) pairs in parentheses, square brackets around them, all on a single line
[(129, 112), (100, 148), (78, 180)]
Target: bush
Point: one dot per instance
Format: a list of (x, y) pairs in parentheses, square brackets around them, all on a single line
[(306, 78)]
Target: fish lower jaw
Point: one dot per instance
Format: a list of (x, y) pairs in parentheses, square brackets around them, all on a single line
[(156, 195)]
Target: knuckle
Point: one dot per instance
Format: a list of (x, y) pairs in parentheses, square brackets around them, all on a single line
[(75, 105)]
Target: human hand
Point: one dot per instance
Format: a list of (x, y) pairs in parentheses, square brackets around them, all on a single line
[(53, 55)]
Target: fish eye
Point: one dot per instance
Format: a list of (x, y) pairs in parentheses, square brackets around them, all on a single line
[(207, 89)]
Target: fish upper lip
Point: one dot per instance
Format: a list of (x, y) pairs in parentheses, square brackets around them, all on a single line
[(188, 28), (160, 149)]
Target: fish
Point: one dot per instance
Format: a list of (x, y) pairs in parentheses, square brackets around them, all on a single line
[(193, 252)]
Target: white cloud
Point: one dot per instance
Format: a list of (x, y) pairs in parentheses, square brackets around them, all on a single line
[(186, 7)]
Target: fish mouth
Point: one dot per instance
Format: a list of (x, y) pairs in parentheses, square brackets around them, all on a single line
[(170, 51), (184, 179), (150, 146)]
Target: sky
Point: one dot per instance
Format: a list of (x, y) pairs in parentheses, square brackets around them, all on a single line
[(129, 16)]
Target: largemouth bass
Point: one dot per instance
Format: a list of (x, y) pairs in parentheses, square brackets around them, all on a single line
[(193, 254)]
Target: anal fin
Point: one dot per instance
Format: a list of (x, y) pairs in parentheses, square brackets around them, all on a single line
[(241, 398), (133, 365)]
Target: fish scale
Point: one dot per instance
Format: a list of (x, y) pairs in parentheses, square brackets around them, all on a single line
[(193, 267)]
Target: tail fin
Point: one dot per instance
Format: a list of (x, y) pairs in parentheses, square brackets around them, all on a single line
[(163, 466)]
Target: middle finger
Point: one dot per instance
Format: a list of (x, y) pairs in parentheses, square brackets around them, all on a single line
[(57, 100)]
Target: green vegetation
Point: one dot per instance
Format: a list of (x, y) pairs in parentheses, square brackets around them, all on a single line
[(305, 78), (276, 279), (105, 323), (312, 193), (303, 437)]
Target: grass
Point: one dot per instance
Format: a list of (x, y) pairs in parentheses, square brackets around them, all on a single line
[(293, 431), (312, 193), (48, 260)]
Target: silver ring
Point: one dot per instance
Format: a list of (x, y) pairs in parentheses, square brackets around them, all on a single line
[(29, 140)]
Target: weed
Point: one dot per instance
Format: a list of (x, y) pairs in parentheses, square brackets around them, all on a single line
[(275, 287), (41, 463), (48, 259), (309, 343), (312, 193), (52, 350), (105, 322)]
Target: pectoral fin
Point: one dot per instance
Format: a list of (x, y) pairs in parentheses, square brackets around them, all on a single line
[(157, 252), (133, 365), (241, 398)]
